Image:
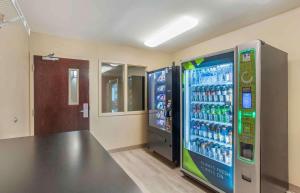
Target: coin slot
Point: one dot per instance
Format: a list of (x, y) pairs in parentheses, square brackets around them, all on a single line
[(246, 178)]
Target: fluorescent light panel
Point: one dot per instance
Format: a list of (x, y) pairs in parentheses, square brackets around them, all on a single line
[(176, 28)]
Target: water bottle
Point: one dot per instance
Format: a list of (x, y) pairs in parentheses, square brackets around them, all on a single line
[(209, 113), (223, 134), (214, 151), (212, 93), (218, 133), (228, 138), (205, 130), (212, 113), (203, 112), (210, 132), (202, 94), (229, 94), (217, 113)]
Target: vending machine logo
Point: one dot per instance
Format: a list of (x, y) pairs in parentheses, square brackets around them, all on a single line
[(246, 57)]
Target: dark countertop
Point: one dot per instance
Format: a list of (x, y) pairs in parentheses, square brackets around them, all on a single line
[(72, 162)]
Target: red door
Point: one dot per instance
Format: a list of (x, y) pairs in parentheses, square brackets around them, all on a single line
[(61, 95)]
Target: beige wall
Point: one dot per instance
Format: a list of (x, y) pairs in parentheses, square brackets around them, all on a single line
[(282, 31), (14, 81), (112, 131)]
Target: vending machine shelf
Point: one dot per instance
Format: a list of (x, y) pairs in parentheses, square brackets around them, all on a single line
[(212, 84), (209, 103), (226, 162), (212, 122), (212, 140)]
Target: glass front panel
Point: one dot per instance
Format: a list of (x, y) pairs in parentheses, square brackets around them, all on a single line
[(73, 86), (208, 104), (112, 76), (157, 99)]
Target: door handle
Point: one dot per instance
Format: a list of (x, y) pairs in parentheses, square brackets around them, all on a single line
[(85, 110)]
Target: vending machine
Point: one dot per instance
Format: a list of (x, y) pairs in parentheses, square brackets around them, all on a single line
[(164, 112), (234, 122)]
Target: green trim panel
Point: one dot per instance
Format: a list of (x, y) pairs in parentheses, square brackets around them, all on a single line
[(190, 165), (247, 105)]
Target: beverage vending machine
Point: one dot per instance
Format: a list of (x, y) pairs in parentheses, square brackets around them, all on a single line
[(164, 112), (234, 119)]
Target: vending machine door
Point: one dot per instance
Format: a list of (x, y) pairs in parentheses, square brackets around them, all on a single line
[(247, 177), (157, 91), (208, 120)]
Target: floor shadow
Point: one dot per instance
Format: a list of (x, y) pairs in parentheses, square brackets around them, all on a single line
[(161, 158), (198, 184)]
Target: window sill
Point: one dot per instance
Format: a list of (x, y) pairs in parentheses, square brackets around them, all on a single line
[(122, 113)]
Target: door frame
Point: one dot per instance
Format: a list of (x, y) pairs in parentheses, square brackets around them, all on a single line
[(31, 90)]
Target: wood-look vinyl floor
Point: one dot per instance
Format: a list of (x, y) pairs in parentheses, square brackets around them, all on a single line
[(152, 175)]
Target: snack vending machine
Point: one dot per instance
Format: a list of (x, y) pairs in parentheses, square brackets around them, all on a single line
[(234, 122), (164, 112)]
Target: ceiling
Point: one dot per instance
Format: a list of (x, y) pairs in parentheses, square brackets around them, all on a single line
[(131, 22), (7, 8)]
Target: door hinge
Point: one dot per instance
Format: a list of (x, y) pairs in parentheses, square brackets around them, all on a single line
[(32, 67)]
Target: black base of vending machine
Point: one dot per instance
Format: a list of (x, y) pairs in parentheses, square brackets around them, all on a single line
[(164, 113)]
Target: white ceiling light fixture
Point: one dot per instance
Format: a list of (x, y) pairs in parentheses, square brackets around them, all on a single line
[(106, 69), (172, 30), (114, 65)]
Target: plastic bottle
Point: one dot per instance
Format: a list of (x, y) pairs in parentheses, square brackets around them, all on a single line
[(208, 112), (213, 112), (216, 132), (212, 93), (214, 151), (217, 113), (207, 93), (223, 93), (223, 134), (205, 130), (229, 94), (210, 132), (203, 112), (202, 94), (228, 138)]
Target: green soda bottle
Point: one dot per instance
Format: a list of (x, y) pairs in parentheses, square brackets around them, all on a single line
[(223, 114), (217, 113)]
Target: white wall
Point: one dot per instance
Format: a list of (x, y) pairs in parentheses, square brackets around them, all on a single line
[(112, 131), (14, 81), (283, 32)]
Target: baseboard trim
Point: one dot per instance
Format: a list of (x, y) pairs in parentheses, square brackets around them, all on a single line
[(127, 148), (295, 189)]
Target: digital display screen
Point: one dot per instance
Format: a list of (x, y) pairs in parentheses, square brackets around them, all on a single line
[(247, 98)]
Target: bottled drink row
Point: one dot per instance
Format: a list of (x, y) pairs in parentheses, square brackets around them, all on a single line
[(216, 113), (217, 93), (212, 75), (161, 89), (161, 78), (211, 150), (161, 123), (213, 132)]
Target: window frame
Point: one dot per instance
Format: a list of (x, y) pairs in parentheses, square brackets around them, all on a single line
[(125, 88)]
